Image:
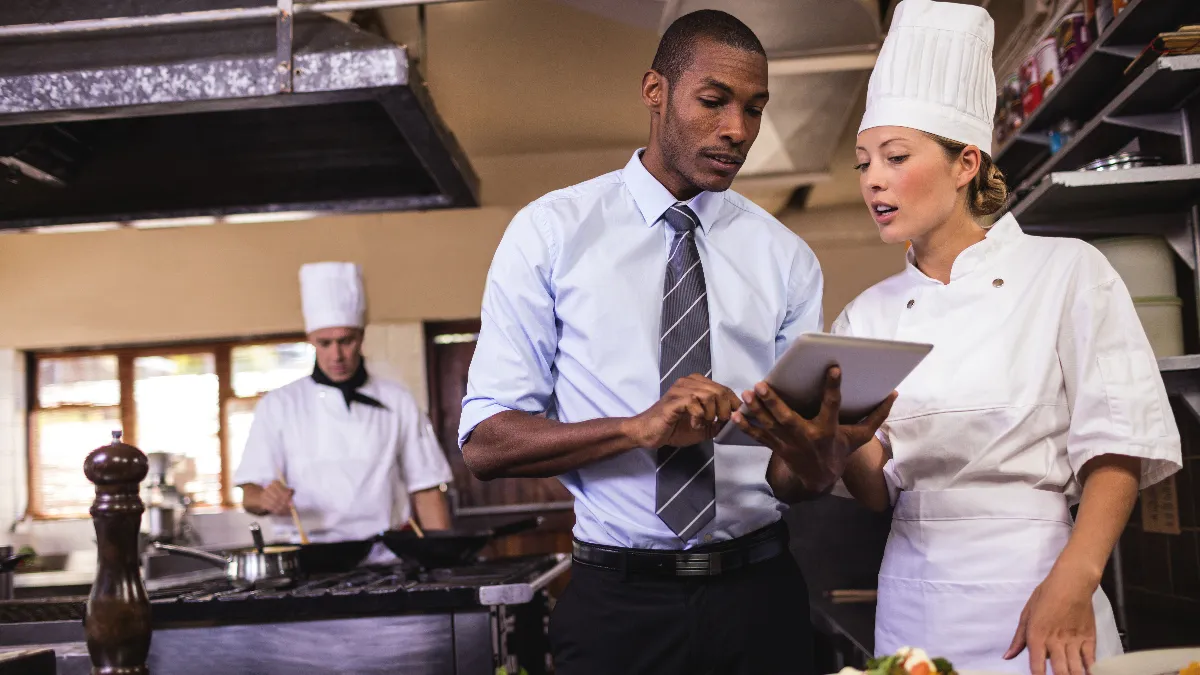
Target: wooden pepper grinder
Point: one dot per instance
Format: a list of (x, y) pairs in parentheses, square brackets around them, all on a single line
[(117, 623)]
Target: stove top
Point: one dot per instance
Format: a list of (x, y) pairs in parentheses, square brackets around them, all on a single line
[(371, 590)]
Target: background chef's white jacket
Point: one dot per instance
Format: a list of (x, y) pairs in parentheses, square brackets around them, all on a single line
[(352, 469), (1039, 364)]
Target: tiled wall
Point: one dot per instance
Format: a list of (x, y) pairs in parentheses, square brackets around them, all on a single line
[(392, 350), (12, 438), (397, 351)]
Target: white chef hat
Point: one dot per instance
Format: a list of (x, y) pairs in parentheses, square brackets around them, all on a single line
[(331, 294), (934, 73)]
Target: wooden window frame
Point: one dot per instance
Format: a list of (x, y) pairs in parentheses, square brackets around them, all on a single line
[(222, 351)]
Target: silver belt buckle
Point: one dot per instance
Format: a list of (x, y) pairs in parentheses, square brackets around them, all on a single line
[(697, 564)]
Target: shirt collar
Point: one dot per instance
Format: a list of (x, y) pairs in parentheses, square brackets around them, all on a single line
[(1003, 232), (652, 199)]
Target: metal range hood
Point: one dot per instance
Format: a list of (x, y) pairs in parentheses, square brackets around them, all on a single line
[(217, 118)]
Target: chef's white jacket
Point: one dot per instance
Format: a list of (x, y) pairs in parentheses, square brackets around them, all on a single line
[(1039, 364), (352, 469)]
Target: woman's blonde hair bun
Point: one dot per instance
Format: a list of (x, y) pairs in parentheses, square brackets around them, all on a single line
[(987, 192)]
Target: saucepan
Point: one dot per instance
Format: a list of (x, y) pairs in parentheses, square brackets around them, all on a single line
[(8, 566), (446, 548), (261, 566)]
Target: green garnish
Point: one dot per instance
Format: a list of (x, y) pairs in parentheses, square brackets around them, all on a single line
[(884, 665)]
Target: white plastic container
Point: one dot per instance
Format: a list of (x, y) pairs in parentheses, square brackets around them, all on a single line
[(1162, 319), (1146, 265)]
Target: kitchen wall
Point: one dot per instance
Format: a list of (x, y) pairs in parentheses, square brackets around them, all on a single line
[(220, 281)]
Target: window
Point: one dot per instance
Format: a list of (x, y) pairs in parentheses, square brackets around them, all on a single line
[(196, 401)]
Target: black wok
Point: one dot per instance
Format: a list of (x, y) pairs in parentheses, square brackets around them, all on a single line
[(446, 548), (333, 556)]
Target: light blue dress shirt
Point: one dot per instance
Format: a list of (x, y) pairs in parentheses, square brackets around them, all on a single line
[(570, 327)]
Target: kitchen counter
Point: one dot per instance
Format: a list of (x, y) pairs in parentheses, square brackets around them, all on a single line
[(79, 570), (70, 658), (451, 621)]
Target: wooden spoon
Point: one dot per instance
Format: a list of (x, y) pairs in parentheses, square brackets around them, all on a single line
[(295, 516), (416, 528)]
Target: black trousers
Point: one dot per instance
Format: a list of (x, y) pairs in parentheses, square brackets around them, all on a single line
[(752, 621)]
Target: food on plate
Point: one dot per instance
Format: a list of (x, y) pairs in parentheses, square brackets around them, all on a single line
[(910, 661), (1192, 668)]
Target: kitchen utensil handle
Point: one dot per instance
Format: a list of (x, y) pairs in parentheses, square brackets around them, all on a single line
[(256, 533), (192, 553), (295, 515), (11, 562), (412, 522), (518, 526)]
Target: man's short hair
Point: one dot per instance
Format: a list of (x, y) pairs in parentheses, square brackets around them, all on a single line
[(678, 43)]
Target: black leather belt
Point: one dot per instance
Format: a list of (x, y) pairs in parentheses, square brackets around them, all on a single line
[(704, 561)]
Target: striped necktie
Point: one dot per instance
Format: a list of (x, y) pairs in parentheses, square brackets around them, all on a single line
[(685, 481)]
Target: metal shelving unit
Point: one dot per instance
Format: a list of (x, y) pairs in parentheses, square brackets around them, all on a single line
[(1093, 81), (1181, 375), (1157, 106), (1083, 196), (1142, 20), (1102, 203), (1152, 103)]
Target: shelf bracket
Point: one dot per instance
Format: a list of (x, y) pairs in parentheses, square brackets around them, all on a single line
[(1163, 123), (1036, 138), (1192, 400), (1123, 51), (1180, 239), (283, 46)]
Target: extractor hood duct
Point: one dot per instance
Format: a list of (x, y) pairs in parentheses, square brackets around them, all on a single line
[(178, 121), (820, 55)]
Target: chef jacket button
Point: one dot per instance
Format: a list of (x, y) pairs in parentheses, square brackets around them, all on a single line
[(911, 303), (997, 283), (708, 537)]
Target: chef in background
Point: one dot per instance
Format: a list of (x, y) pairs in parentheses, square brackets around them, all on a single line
[(357, 455), (1041, 391)]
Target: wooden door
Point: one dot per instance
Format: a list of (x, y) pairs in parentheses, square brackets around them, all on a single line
[(449, 347)]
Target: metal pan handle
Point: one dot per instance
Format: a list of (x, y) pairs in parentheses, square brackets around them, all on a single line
[(193, 553)]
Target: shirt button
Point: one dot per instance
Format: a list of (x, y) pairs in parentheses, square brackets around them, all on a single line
[(997, 283), (911, 303), (708, 537)]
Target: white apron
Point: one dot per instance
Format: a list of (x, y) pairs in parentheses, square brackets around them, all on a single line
[(961, 564)]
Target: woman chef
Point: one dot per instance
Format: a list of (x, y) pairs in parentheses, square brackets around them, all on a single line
[(1041, 390), (352, 448)]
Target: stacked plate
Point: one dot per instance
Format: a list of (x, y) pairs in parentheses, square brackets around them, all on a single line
[(1155, 662), (1147, 266)]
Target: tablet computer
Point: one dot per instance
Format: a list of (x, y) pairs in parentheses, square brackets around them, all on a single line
[(871, 370)]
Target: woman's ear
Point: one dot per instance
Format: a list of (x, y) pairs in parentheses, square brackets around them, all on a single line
[(969, 162)]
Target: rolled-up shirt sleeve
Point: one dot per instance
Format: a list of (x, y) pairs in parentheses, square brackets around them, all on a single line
[(422, 460), (1114, 389), (518, 338), (263, 458), (805, 292)]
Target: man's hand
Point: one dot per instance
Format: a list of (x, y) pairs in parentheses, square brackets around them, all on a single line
[(815, 450), (273, 499), (694, 409)]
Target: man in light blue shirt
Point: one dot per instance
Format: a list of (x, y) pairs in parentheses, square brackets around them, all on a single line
[(619, 317)]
